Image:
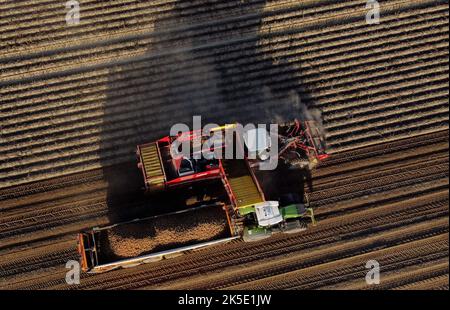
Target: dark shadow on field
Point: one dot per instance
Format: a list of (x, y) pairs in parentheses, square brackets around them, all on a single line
[(283, 181), (182, 75)]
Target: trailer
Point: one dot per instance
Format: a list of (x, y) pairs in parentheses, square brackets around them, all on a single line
[(154, 238)]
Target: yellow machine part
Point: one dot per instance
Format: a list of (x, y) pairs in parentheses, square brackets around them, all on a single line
[(152, 164), (242, 184)]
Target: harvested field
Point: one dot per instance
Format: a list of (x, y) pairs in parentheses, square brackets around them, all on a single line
[(373, 84), (75, 101)]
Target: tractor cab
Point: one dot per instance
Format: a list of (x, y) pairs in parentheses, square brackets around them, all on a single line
[(287, 215), (164, 164), (187, 164), (267, 213)]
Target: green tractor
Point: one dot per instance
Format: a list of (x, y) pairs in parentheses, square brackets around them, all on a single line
[(288, 215)]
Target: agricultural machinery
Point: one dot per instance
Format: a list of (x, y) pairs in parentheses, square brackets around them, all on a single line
[(245, 211), (163, 166)]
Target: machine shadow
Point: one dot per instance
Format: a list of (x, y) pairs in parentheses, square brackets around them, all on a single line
[(193, 66)]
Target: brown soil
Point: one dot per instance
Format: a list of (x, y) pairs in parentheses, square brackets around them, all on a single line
[(373, 84)]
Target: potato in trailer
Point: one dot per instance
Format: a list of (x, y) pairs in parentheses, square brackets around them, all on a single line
[(154, 238)]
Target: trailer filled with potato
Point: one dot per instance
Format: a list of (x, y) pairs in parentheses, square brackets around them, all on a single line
[(154, 238)]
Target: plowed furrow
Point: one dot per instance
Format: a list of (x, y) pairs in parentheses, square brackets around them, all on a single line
[(234, 52), (51, 184), (381, 183), (53, 61), (344, 228), (37, 259), (229, 56), (386, 149), (405, 276), (378, 162), (397, 169), (437, 283), (442, 118), (29, 122), (301, 260), (112, 21), (350, 268)]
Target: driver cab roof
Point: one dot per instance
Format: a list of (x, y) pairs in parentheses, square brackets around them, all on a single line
[(268, 213)]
